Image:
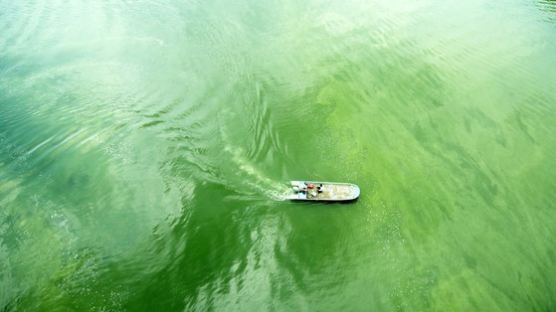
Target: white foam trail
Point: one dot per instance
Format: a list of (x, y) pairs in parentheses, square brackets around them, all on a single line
[(39, 145), (257, 180)]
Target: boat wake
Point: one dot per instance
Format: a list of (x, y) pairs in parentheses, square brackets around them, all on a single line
[(254, 178), (252, 181)]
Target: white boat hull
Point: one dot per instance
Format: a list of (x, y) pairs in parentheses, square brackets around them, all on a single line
[(323, 191)]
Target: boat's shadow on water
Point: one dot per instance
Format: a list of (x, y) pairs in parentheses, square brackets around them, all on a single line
[(330, 204)]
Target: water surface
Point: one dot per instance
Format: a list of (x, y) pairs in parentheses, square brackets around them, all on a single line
[(142, 144)]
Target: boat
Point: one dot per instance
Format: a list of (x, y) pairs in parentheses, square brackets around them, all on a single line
[(322, 191)]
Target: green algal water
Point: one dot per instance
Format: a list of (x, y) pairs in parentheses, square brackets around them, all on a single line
[(143, 144)]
